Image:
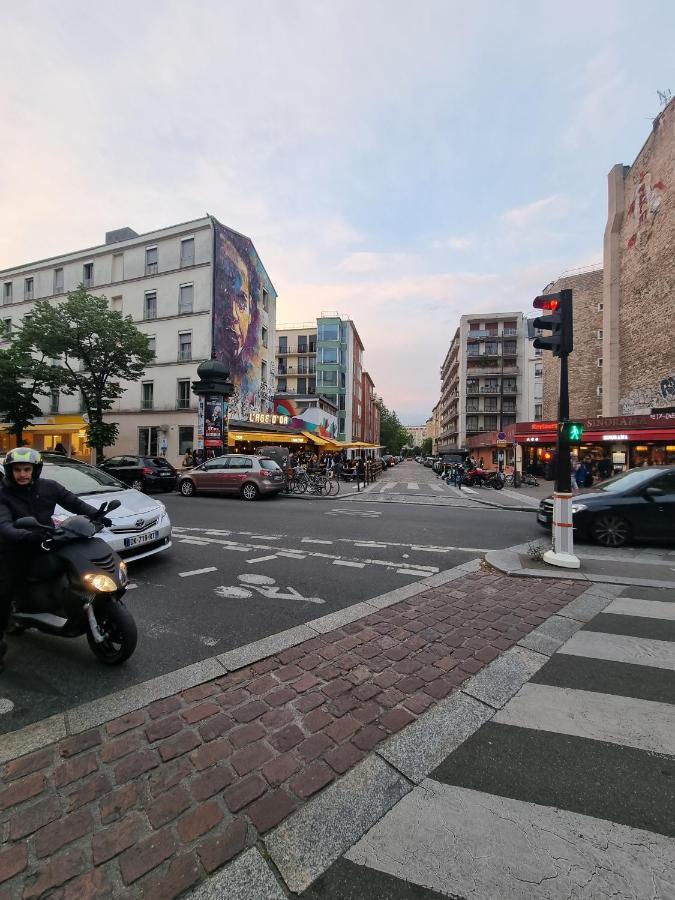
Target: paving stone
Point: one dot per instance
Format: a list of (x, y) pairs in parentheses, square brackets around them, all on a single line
[(504, 677), (218, 849), (270, 810), (247, 878)]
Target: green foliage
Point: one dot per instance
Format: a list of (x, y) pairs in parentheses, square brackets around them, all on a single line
[(393, 435), (24, 378), (99, 349), (426, 447)]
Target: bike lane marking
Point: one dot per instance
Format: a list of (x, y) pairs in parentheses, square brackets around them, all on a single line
[(198, 571)]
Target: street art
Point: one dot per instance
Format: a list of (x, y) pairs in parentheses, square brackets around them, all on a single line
[(649, 399), (312, 419), (645, 205), (239, 282)]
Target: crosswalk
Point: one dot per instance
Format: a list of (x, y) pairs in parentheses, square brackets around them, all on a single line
[(567, 791)]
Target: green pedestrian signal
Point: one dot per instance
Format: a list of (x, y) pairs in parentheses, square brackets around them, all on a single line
[(572, 432)]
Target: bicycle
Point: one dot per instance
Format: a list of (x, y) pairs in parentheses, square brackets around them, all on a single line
[(333, 482)]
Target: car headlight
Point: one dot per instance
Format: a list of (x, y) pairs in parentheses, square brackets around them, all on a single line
[(99, 582), (578, 507)]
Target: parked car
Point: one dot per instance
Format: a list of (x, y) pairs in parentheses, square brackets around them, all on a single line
[(248, 476), (140, 525), (636, 505), (143, 473)]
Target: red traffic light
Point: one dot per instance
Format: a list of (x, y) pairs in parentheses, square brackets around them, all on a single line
[(548, 456), (547, 301)]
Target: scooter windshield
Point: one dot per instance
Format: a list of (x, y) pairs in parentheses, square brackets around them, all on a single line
[(77, 527)]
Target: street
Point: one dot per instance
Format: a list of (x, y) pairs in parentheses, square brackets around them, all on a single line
[(238, 572)]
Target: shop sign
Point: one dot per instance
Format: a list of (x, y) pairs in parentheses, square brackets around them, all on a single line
[(615, 437), (532, 440), (543, 426), (268, 419)]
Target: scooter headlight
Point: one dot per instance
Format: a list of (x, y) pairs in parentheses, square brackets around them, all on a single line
[(99, 582)]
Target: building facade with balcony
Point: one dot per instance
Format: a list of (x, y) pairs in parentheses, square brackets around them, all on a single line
[(485, 378), (190, 288)]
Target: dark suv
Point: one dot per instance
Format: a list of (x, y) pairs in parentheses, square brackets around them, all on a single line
[(145, 473)]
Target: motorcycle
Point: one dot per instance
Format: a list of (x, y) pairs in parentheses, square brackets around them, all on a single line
[(481, 477), (76, 587)]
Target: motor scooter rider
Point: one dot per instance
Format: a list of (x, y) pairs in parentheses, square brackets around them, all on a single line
[(24, 493)]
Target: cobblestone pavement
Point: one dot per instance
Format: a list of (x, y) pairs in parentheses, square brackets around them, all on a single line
[(150, 804)]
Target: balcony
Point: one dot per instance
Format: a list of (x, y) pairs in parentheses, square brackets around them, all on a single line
[(296, 350), (510, 332), (184, 356), (151, 268), (182, 403), (492, 368), (147, 403)]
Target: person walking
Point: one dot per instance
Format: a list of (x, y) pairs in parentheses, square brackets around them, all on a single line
[(580, 475), (360, 472)]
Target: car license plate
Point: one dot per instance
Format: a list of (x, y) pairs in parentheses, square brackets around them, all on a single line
[(541, 517), (141, 539)]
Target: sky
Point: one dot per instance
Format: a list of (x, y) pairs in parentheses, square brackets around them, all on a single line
[(402, 163)]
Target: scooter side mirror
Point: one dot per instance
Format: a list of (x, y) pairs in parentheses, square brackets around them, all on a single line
[(114, 504), (27, 522)]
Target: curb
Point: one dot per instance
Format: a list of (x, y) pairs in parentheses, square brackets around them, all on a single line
[(299, 850), (97, 712)]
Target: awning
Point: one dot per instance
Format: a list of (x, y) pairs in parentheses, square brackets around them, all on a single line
[(320, 441), (262, 437), (59, 428), (361, 445)]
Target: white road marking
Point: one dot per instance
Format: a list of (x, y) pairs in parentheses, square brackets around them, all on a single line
[(346, 562), (291, 554), (522, 497), (366, 543), (622, 648), (6, 706), (198, 571), (436, 487), (371, 514), (643, 724), (266, 537), (468, 489), (196, 541), (216, 532), (413, 572), (251, 578), (647, 609), (413, 486), (262, 558), (314, 541), (132, 587), (388, 487)]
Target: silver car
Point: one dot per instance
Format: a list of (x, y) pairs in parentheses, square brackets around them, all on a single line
[(140, 525)]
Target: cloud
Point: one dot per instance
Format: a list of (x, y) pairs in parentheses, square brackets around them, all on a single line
[(458, 242), (523, 216)]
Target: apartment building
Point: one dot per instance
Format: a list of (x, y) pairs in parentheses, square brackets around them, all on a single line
[(485, 378), (190, 288), (324, 361), (417, 433)]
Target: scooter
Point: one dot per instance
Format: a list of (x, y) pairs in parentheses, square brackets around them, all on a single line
[(480, 477), (76, 587)]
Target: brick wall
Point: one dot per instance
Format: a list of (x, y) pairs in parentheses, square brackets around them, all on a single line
[(647, 274), (584, 375)]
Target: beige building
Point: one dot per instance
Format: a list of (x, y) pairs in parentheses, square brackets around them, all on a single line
[(639, 284), (417, 433), (585, 363)]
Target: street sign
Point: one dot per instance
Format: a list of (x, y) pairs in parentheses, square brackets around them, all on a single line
[(501, 443), (501, 436)]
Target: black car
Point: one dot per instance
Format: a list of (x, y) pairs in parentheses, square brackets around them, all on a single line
[(144, 473), (637, 505)]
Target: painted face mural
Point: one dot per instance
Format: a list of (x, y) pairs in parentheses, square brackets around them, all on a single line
[(237, 314)]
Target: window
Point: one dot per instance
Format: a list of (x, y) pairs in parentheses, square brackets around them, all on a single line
[(116, 304), (28, 289), (184, 346), (58, 281), (510, 387), (490, 404), (538, 352), (329, 355), (185, 298), (599, 334), (601, 306), (283, 345), (281, 385), (302, 343), (341, 424), (472, 404), (118, 267), (88, 274), (302, 385), (510, 348), (150, 305), (472, 423), (148, 439), (151, 260), (508, 420), (7, 292), (599, 362), (147, 395), (473, 349), (491, 348), (152, 345), (187, 252), (54, 401), (328, 332), (266, 300), (183, 393), (598, 391), (329, 378), (538, 412), (490, 423), (341, 401), (471, 385), (186, 438), (311, 385), (538, 371), (263, 336)]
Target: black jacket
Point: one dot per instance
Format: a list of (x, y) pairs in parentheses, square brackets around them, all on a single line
[(36, 500)]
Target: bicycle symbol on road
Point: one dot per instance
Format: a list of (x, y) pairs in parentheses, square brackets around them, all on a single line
[(263, 585)]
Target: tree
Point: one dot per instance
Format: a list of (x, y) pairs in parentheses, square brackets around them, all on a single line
[(23, 380), (98, 349), (426, 447), (393, 435)]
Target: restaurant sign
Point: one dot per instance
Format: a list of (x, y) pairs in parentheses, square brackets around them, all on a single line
[(268, 419)]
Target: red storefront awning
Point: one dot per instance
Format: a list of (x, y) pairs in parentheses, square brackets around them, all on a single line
[(631, 435)]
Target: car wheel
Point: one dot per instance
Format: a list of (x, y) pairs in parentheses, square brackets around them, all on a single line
[(137, 484), (610, 530), (249, 491), (187, 488)]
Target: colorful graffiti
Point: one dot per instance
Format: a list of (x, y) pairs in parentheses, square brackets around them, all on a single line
[(645, 204), (239, 282), (311, 419)]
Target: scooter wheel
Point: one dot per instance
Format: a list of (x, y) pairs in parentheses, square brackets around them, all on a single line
[(497, 484), (117, 624)]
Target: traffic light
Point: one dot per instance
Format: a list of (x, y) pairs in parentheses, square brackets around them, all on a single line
[(571, 431), (558, 322)]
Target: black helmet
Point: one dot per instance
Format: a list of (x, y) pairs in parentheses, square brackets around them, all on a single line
[(23, 455)]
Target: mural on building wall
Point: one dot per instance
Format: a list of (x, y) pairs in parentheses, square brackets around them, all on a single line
[(239, 280), (650, 399), (644, 206), (312, 419)]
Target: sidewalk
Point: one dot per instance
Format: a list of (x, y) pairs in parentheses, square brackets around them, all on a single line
[(273, 756)]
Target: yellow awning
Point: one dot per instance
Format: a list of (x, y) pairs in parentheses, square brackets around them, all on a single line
[(262, 437), (320, 441)]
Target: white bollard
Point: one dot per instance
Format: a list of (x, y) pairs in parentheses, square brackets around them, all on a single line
[(562, 553)]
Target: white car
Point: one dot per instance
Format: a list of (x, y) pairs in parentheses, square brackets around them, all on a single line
[(140, 525)]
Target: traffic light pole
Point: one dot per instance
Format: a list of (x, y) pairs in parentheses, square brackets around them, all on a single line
[(562, 554)]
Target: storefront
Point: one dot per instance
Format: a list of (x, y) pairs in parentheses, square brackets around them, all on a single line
[(48, 432)]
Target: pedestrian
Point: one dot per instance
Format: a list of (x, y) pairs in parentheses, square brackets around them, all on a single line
[(605, 467), (580, 475), (459, 475), (188, 459), (360, 471), (59, 448)]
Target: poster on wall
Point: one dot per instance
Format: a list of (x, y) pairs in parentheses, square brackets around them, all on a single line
[(214, 413), (239, 282), (200, 424)]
